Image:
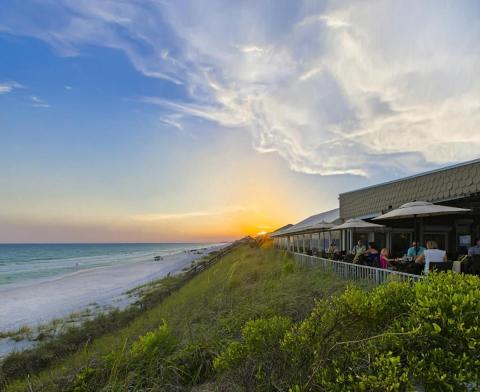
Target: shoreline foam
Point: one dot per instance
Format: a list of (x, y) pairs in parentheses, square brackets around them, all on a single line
[(105, 287)]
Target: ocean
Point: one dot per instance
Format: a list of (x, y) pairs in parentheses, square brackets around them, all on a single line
[(30, 263)]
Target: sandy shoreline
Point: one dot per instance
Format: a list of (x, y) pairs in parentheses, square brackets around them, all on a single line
[(102, 288)]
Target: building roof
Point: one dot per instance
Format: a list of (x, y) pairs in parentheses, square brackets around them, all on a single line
[(282, 228), (449, 183), (332, 216)]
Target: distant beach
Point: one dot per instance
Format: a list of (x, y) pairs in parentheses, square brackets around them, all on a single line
[(42, 288)]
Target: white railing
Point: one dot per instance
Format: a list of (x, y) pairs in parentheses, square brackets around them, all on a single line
[(355, 271)]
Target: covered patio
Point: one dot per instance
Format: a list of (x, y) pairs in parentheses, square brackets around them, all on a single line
[(454, 186)]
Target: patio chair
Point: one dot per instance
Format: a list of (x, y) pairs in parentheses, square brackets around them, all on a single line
[(473, 266), (348, 258), (413, 268), (441, 267)]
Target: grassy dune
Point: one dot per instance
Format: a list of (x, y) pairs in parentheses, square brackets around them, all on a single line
[(208, 311), (256, 321)]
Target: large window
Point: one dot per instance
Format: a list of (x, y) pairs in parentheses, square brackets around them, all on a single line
[(400, 243), (362, 236), (380, 240), (322, 241), (315, 241), (335, 238), (439, 238)]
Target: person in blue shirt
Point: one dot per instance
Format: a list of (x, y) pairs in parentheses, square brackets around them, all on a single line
[(414, 251), (475, 250)]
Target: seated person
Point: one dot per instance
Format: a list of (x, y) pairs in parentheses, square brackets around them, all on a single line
[(332, 248), (475, 249), (384, 258), (415, 251), (431, 255), (372, 255), (359, 248)]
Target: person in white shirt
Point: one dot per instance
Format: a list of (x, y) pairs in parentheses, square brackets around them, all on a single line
[(359, 248), (431, 255)]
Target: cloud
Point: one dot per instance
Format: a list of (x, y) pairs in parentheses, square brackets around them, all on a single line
[(333, 88), (8, 87), (38, 103), (155, 217)]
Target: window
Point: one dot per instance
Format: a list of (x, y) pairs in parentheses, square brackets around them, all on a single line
[(439, 238), (380, 240), (362, 236), (335, 238), (400, 243)]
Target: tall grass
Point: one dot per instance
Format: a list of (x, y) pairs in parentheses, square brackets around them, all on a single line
[(204, 316)]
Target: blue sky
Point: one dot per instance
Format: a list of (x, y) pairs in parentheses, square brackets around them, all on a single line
[(156, 121)]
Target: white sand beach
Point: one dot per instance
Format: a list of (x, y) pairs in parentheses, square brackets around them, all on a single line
[(42, 302)]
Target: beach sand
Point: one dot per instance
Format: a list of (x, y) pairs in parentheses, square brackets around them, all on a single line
[(103, 287)]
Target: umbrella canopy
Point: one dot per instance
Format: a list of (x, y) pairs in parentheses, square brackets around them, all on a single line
[(420, 209), (316, 226), (321, 226), (357, 224)]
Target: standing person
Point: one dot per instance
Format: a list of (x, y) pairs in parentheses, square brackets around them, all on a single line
[(431, 255), (475, 249), (359, 248), (415, 251)]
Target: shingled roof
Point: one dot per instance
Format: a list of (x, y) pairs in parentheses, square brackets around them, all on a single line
[(449, 183), (331, 216)]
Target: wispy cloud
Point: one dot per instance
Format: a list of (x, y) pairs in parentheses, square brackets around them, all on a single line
[(38, 102), (191, 214), (9, 86), (333, 88)]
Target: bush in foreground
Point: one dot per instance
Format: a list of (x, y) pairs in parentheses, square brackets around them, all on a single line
[(394, 338)]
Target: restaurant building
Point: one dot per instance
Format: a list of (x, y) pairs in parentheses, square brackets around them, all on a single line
[(456, 186)]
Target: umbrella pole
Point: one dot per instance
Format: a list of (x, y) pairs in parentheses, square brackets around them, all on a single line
[(352, 244), (416, 234)]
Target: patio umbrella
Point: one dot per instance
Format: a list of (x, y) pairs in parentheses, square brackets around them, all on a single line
[(419, 209), (320, 226), (356, 224)]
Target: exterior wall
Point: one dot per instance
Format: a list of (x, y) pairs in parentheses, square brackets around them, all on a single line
[(447, 184)]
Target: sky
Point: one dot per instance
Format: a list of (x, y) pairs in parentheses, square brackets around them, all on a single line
[(179, 121)]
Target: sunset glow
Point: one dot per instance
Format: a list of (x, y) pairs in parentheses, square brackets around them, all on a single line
[(178, 121)]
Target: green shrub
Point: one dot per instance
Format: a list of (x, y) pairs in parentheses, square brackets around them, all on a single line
[(395, 337), (445, 350), (154, 344), (192, 365), (257, 360)]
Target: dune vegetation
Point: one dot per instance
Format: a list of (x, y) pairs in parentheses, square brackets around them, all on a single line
[(255, 320)]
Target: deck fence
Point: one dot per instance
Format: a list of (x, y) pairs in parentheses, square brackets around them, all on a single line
[(199, 266), (355, 271)]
